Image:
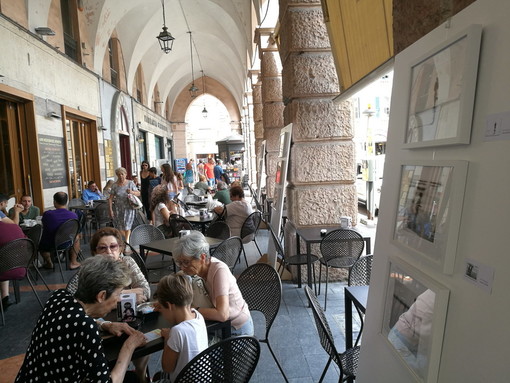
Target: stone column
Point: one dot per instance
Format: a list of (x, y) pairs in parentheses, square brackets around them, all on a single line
[(258, 125), (272, 103), (322, 163)]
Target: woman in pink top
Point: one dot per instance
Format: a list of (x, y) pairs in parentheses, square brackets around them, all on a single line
[(194, 259)]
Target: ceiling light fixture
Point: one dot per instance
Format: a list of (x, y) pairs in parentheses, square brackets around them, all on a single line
[(204, 111), (193, 90), (165, 38)]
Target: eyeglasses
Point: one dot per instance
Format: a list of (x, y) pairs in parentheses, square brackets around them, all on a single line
[(104, 249), (183, 262)]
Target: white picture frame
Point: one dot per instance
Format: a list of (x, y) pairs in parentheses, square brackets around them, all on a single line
[(414, 319), (442, 87), (429, 208)]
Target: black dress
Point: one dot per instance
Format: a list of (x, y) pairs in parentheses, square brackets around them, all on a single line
[(144, 189)]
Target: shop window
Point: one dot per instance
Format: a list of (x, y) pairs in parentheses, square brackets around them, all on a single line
[(70, 27)]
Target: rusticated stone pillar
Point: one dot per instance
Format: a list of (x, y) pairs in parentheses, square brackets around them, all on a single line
[(273, 107), (258, 125), (322, 173)]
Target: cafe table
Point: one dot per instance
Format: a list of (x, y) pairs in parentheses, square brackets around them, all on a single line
[(357, 296), (170, 245), (153, 321), (311, 235), (202, 221)]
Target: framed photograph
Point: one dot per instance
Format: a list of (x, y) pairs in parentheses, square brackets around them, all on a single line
[(429, 208), (414, 319), (442, 85)]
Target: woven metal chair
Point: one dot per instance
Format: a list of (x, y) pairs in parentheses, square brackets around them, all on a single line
[(177, 223), (64, 241), (140, 262), (230, 360), (359, 275), (72, 284), (292, 260), (15, 259), (339, 249), (218, 229), (144, 234), (261, 288), (35, 233), (229, 251), (249, 231), (347, 361), (102, 216)]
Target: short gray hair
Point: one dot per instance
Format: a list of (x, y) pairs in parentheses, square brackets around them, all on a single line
[(121, 170), (194, 245), (221, 185), (99, 273)]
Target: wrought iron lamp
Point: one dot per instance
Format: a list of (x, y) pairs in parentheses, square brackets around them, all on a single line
[(193, 90), (204, 111), (165, 38)]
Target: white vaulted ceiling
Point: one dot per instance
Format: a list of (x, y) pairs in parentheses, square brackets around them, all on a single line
[(222, 32)]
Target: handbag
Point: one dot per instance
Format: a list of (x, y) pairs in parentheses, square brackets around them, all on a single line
[(134, 201), (200, 295)]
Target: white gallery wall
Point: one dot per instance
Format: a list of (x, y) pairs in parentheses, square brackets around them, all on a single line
[(476, 339)]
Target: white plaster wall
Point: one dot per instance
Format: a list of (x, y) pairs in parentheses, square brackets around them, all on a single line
[(31, 66), (476, 339)]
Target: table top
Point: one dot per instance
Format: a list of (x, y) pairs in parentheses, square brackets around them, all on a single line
[(198, 219), (153, 321), (358, 295), (313, 234), (169, 245)]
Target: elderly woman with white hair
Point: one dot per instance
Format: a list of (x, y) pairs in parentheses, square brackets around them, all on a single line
[(122, 213), (220, 283)]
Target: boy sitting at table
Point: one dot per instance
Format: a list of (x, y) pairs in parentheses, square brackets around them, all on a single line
[(188, 336)]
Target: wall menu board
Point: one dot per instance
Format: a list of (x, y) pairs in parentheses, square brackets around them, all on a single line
[(53, 163), (108, 158)]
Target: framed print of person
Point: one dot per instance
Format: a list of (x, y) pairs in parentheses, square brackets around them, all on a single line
[(414, 319), (442, 92), (427, 220)]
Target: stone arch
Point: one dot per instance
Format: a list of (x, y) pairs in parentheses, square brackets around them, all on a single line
[(212, 87)]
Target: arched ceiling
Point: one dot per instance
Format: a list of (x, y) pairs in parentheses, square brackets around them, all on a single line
[(222, 34)]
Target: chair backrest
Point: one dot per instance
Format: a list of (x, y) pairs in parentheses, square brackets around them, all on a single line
[(230, 360), (72, 284), (17, 253), (325, 335), (102, 214), (140, 219), (280, 251), (66, 233), (342, 243), (35, 233), (359, 273), (138, 259), (144, 234), (251, 224), (261, 288), (178, 222), (218, 229), (199, 192), (229, 251)]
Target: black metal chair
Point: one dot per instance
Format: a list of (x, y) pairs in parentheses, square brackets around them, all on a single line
[(347, 361), (144, 234), (261, 288), (249, 231), (230, 360), (64, 242), (340, 249), (15, 259), (359, 275), (35, 233), (229, 251), (102, 216), (292, 260), (141, 263), (218, 229), (177, 223), (72, 283)]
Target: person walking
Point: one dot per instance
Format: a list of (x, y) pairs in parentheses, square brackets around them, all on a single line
[(209, 172), (145, 178)]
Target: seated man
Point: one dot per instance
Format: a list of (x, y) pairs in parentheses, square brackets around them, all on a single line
[(222, 194), (51, 220), (237, 211), (29, 211), (91, 193), (201, 184), (3, 204)]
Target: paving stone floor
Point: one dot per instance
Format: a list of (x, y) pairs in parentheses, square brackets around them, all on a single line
[(293, 335)]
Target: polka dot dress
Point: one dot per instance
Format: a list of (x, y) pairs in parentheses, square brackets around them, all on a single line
[(65, 345)]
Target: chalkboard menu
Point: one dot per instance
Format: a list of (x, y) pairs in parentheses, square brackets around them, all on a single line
[(53, 162)]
